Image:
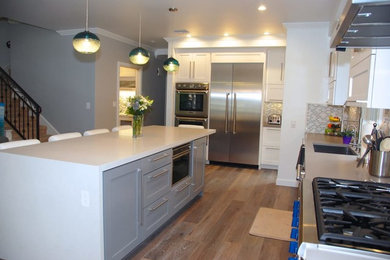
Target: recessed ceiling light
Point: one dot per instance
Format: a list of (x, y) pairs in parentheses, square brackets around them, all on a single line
[(262, 8), (225, 34), (173, 9), (266, 33), (188, 35)]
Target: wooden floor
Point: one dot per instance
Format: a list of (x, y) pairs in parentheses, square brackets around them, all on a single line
[(216, 226)]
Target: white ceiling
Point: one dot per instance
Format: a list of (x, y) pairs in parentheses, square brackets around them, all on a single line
[(199, 17)]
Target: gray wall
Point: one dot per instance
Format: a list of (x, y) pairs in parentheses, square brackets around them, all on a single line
[(59, 79), (154, 86), (4, 51), (111, 52)]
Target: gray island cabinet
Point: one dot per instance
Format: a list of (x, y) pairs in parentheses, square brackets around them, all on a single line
[(94, 197)]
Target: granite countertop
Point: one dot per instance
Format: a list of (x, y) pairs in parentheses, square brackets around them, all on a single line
[(112, 149), (326, 165)]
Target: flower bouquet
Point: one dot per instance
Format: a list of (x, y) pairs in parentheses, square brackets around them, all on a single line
[(137, 106)]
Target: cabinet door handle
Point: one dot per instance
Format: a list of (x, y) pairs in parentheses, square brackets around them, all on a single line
[(158, 174), (160, 157), (235, 113), (158, 205), (193, 69), (183, 187), (139, 174), (226, 112), (281, 70)]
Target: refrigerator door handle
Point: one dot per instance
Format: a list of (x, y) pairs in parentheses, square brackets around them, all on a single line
[(234, 113), (226, 112)]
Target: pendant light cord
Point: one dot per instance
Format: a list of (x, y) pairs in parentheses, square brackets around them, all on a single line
[(139, 33), (86, 16)]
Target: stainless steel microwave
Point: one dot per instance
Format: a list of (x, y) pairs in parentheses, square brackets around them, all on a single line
[(192, 99)]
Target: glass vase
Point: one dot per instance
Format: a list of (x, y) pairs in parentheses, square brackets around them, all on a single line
[(138, 123)]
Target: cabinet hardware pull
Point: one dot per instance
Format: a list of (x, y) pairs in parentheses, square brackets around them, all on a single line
[(226, 112), (158, 174), (158, 205), (281, 71), (161, 157), (184, 186), (140, 220), (235, 114), (272, 148), (193, 69)]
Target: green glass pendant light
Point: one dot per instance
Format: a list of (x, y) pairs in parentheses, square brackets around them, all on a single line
[(139, 56), (171, 64), (86, 42)]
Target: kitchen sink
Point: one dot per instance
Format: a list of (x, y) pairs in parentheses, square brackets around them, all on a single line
[(335, 149)]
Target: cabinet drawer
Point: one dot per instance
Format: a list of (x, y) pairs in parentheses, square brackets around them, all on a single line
[(156, 183), (180, 195), (270, 155), (156, 161), (155, 215), (271, 136)]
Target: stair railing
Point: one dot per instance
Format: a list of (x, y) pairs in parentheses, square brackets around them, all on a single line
[(21, 111)]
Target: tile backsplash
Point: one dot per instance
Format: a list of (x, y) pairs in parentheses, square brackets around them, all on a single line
[(317, 117)]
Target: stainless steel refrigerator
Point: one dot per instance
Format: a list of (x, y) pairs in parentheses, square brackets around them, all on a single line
[(235, 112)]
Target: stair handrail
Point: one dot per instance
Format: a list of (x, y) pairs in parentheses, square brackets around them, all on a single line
[(7, 83)]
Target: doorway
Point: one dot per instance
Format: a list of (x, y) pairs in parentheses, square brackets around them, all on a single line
[(129, 85)]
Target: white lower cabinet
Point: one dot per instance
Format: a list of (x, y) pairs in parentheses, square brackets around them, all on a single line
[(270, 147), (198, 163)]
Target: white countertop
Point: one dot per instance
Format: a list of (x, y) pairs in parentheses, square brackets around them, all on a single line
[(112, 149), (329, 166)]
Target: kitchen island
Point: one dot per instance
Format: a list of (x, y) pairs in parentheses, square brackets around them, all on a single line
[(329, 166), (94, 197)]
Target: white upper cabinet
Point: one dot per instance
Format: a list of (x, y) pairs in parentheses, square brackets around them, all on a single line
[(339, 66), (275, 66), (194, 67), (275, 75), (369, 78)]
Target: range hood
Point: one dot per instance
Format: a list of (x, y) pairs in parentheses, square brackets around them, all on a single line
[(364, 23)]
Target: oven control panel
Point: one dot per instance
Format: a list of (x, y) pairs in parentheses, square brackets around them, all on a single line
[(190, 85)]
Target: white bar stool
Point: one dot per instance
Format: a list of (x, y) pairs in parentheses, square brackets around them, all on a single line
[(96, 131), (121, 127), (19, 143), (64, 136)]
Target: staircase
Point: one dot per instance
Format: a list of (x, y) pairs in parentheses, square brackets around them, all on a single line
[(21, 113)]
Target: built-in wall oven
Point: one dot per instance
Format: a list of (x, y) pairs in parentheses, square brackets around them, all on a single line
[(180, 162), (191, 121), (192, 100)]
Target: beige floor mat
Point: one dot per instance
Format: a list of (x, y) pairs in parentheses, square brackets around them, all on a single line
[(272, 223)]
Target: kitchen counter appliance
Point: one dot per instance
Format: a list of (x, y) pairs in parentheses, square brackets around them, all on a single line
[(180, 162), (353, 214), (192, 99), (235, 112), (274, 119)]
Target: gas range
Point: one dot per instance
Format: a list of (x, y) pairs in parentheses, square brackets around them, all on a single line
[(353, 213)]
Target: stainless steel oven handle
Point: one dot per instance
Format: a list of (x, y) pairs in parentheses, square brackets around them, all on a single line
[(235, 114), (226, 112), (196, 91), (178, 155)]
